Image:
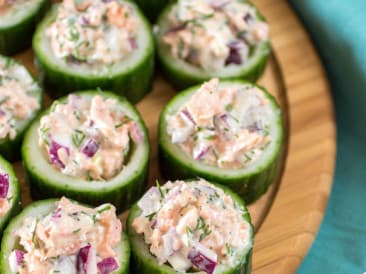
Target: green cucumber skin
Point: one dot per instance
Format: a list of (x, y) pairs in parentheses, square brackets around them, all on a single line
[(133, 84), (182, 79), (120, 196), (9, 36), (8, 232), (15, 208), (152, 8), (249, 187), (149, 265)]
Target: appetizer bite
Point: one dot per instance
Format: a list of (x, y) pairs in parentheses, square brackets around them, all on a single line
[(190, 227), (229, 132), (20, 102), (61, 236), (201, 39), (9, 193), (88, 44), (18, 20), (90, 146)]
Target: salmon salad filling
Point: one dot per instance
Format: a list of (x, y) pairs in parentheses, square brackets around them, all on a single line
[(17, 98), (213, 34), (223, 125), (94, 32), (71, 239), (88, 137), (193, 225), (5, 193)]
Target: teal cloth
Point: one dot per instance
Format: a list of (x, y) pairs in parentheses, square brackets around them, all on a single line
[(338, 29)]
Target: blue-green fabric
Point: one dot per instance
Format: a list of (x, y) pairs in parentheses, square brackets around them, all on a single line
[(338, 29)]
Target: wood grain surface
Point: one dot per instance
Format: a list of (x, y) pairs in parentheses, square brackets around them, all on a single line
[(293, 209), (298, 209)]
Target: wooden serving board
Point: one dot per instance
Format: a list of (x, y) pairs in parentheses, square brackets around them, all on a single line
[(288, 216)]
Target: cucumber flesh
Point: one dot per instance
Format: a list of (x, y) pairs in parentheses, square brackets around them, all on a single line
[(249, 182), (43, 208), (122, 190)]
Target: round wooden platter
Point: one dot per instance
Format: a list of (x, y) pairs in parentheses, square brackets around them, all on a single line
[(288, 216)]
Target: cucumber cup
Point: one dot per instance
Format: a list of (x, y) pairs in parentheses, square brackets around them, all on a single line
[(189, 63), (229, 260), (240, 148), (9, 190), (19, 20), (49, 177), (129, 75), (39, 210), (21, 101)]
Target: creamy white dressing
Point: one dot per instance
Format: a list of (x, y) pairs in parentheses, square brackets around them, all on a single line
[(213, 34), (96, 33), (223, 125), (53, 243), (180, 217), (17, 98), (88, 137)]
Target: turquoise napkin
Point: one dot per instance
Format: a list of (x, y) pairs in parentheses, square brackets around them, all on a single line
[(338, 29)]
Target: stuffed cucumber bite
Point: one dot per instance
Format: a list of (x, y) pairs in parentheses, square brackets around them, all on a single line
[(20, 102), (62, 236), (199, 40), (18, 19), (88, 44), (9, 193), (190, 227), (229, 132), (90, 146)]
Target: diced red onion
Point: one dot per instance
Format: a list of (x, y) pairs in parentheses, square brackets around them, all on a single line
[(85, 21), (154, 224), (176, 29), (257, 126), (86, 260), (202, 153), (234, 54), (2, 112), (107, 265), (187, 114), (136, 133), (4, 185), (201, 257), (133, 43), (219, 4), (19, 255), (53, 152), (248, 17), (90, 147), (56, 214)]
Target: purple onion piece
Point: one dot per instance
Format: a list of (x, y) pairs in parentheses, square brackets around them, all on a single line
[(136, 134), (19, 256), (201, 261), (2, 112), (107, 265), (90, 147), (154, 224), (56, 214), (234, 54), (257, 126), (176, 29), (187, 114), (248, 17), (133, 43), (83, 259), (85, 21), (202, 153), (219, 4), (53, 152), (4, 185)]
